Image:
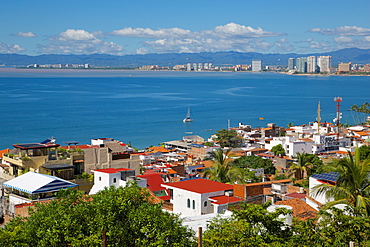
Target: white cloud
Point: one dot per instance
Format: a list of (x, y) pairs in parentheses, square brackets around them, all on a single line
[(25, 35), (311, 45), (79, 42), (347, 42), (227, 37), (8, 48), (154, 34), (282, 45), (238, 31), (343, 31)]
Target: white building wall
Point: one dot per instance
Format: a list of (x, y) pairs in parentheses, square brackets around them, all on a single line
[(102, 180), (320, 198)]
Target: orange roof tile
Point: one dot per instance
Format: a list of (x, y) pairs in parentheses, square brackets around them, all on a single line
[(301, 209), (5, 151)]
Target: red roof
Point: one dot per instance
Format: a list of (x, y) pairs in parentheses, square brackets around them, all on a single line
[(200, 186), (112, 170), (220, 200), (154, 181)]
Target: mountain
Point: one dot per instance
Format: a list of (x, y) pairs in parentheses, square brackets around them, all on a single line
[(353, 55)]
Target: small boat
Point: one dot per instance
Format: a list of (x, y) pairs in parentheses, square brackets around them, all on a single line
[(188, 118)]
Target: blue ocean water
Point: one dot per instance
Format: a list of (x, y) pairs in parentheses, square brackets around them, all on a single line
[(147, 107)]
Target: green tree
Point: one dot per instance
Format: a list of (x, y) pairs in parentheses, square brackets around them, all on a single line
[(221, 169), (334, 228), (278, 150), (302, 166), (364, 152), (255, 162), (128, 215), (352, 186), (228, 138), (361, 112), (250, 225), (244, 175)]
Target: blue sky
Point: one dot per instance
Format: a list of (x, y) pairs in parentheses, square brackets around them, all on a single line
[(172, 26)]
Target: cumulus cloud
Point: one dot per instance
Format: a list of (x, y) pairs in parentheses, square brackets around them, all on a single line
[(347, 42), (25, 35), (74, 41), (282, 45), (150, 33), (343, 31), (227, 37), (8, 48)]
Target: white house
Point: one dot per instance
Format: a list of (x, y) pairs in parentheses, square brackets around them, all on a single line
[(317, 179), (114, 177), (200, 196), (291, 145)]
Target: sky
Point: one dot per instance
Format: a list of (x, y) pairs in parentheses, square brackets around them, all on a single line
[(122, 27)]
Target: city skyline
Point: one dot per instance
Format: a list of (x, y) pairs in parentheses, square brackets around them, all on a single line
[(121, 28)]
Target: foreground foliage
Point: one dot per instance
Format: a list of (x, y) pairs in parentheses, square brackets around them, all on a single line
[(128, 215), (253, 225)]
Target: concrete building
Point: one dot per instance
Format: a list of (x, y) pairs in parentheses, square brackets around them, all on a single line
[(324, 63), (291, 64), (311, 64), (200, 196), (345, 67), (256, 65), (105, 178), (302, 64)]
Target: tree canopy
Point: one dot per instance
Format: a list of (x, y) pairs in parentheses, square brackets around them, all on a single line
[(255, 162), (128, 215), (228, 138), (278, 150)]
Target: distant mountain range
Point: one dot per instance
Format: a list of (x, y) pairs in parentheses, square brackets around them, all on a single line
[(354, 55)]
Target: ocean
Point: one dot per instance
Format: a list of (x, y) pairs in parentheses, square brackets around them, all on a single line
[(147, 107)]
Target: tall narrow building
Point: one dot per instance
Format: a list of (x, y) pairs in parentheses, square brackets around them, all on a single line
[(302, 64), (311, 64), (256, 65), (291, 64), (324, 63)]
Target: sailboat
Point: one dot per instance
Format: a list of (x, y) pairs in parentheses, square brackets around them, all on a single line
[(188, 119)]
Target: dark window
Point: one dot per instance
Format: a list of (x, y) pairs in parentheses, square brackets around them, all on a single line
[(193, 204), (114, 180), (99, 178), (188, 203), (205, 203)]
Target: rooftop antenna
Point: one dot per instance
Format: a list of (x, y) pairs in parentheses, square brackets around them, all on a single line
[(318, 119), (228, 124), (339, 115)]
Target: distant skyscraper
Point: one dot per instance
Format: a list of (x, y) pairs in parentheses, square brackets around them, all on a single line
[(200, 66), (291, 63), (311, 64), (188, 67), (256, 65), (195, 68), (324, 63), (302, 64)]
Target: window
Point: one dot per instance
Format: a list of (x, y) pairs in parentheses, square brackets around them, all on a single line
[(188, 203), (171, 193), (193, 204), (205, 203), (99, 178), (114, 180)]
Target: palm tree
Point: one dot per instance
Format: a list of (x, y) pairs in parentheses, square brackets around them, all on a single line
[(302, 166), (243, 175), (221, 169), (352, 186)]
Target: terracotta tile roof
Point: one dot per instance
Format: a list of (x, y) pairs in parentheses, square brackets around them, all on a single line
[(221, 200), (200, 186), (301, 210), (270, 182), (306, 140), (158, 149), (296, 195), (207, 163)]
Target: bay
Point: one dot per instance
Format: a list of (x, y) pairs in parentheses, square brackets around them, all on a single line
[(147, 107)]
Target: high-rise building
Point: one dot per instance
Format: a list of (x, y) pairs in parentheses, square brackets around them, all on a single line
[(195, 68), (188, 67), (256, 65), (311, 64), (291, 63), (324, 63), (200, 66), (302, 64)]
